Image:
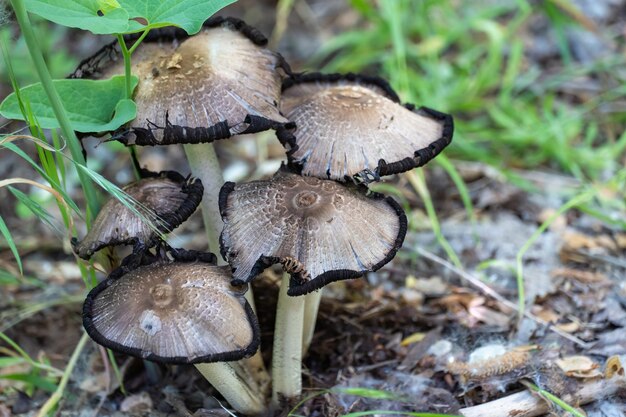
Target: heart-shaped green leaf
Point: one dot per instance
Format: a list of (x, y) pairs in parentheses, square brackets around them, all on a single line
[(98, 16), (92, 105), (126, 16), (186, 14)]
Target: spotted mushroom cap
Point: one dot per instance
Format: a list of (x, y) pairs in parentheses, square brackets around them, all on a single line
[(192, 89), (180, 311), (354, 126), (166, 199), (319, 230)]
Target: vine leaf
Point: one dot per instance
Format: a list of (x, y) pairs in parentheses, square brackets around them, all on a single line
[(127, 16), (98, 16), (92, 105)]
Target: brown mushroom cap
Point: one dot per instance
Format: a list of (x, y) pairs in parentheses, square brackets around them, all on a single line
[(166, 199), (215, 84), (319, 230), (174, 312), (352, 125)]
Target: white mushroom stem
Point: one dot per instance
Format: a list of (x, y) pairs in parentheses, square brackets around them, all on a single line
[(205, 166), (243, 383), (311, 307), (241, 396), (287, 353)]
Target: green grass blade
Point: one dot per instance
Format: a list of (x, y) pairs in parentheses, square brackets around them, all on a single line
[(9, 239), (416, 179), (37, 209), (43, 383), (519, 261), (13, 148), (555, 400), (460, 185)]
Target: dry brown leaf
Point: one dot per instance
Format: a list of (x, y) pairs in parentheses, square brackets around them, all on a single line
[(620, 239), (546, 314), (613, 367), (456, 302), (579, 367), (489, 316), (433, 286), (585, 277), (570, 327)]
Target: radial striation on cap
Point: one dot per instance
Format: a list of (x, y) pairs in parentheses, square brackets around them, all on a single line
[(166, 200), (354, 126), (173, 312), (193, 89), (319, 230)]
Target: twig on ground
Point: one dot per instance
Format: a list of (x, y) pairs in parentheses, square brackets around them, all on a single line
[(492, 293), (526, 404)]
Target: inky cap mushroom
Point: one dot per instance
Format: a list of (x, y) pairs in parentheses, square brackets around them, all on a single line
[(175, 311), (354, 126), (166, 199), (319, 230), (218, 83)]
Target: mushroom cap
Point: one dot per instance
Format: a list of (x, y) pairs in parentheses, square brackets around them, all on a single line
[(166, 199), (212, 85), (173, 312), (354, 126), (319, 230)]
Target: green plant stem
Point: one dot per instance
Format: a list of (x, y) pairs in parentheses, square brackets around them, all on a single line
[(311, 307), (55, 101), (126, 53), (127, 66), (58, 394), (287, 350)]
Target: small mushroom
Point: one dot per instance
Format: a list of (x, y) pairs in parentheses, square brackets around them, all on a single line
[(176, 311), (166, 199), (218, 83), (319, 230), (354, 126)]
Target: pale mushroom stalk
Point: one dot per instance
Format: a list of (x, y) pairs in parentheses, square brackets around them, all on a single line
[(244, 383), (204, 165), (311, 308), (287, 351), (240, 394)]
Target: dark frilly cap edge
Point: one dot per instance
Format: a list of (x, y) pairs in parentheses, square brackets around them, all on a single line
[(191, 186), (296, 286), (175, 134), (136, 260), (173, 33), (421, 156), (315, 77)]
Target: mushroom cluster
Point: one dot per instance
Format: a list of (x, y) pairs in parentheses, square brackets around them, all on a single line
[(315, 217)]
